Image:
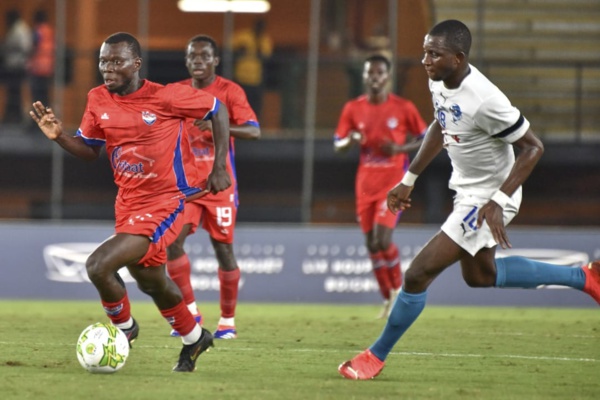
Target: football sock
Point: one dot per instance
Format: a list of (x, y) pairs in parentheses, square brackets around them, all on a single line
[(381, 274), (406, 310), (181, 320), (229, 281), (193, 336), (392, 258), (193, 308), (125, 325), (179, 270), (118, 312), (521, 272), (227, 321)]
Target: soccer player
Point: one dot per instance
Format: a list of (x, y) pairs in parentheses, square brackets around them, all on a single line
[(215, 212), (380, 123), (142, 125), (479, 128)]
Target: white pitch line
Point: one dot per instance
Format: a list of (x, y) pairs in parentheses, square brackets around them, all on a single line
[(395, 353)]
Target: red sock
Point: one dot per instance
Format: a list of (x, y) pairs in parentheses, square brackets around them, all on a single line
[(118, 312), (180, 270), (392, 258), (381, 274), (180, 318), (229, 291)]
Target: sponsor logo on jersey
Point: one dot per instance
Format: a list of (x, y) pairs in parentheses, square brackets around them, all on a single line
[(129, 162), (148, 117)]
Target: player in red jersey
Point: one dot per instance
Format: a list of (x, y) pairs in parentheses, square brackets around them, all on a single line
[(215, 212), (142, 125), (380, 123)]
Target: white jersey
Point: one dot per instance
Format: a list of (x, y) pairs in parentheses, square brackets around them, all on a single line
[(479, 124)]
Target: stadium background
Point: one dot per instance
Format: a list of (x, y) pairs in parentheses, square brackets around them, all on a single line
[(543, 54)]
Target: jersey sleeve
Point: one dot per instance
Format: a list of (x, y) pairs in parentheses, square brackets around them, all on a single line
[(500, 119), (89, 130), (187, 102), (240, 112), (345, 124)]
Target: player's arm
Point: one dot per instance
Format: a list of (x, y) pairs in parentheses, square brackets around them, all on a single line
[(413, 143), (399, 197), (341, 145), (53, 129), (529, 151), (245, 131), (219, 179)]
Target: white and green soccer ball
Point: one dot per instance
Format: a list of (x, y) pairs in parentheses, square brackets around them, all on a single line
[(102, 348)]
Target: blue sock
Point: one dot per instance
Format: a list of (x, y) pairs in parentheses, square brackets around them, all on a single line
[(405, 311), (521, 272)]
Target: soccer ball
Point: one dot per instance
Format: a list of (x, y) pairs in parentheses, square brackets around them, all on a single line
[(102, 348)]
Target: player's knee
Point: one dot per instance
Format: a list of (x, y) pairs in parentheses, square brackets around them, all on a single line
[(479, 280), (414, 280), (95, 270), (150, 287)]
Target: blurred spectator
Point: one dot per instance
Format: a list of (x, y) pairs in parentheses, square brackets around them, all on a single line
[(41, 62), (251, 48), (16, 49)]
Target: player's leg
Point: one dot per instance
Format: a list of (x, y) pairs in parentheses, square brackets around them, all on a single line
[(385, 222), (179, 270), (219, 216), (153, 281), (229, 279), (439, 253), (365, 214), (102, 266), (484, 270)]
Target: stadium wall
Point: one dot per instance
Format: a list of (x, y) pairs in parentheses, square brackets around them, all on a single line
[(281, 263)]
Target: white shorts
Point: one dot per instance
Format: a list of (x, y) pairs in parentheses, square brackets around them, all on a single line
[(461, 225)]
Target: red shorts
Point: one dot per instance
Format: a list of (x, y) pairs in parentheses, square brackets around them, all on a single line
[(369, 214), (217, 213), (161, 225)]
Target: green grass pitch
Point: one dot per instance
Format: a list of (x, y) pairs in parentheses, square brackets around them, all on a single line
[(291, 351)]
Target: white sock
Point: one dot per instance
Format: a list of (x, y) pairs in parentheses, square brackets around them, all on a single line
[(193, 336), (193, 308), (227, 321), (125, 325)]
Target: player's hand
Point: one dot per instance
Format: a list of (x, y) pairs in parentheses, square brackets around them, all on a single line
[(46, 120), (218, 180), (390, 148), (356, 137), (398, 198), (203, 125), (493, 215)]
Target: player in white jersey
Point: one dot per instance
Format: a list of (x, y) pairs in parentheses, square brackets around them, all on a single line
[(479, 128)]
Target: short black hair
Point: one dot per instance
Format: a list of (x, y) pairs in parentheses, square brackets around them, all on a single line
[(457, 35), (128, 38), (209, 40), (379, 58)]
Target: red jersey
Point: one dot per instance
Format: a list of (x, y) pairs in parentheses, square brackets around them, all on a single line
[(240, 113), (390, 121), (146, 140)]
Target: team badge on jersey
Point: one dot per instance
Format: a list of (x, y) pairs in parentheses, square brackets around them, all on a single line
[(392, 123), (148, 117), (456, 112)]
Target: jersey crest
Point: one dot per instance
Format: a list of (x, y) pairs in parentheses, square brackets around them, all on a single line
[(392, 122), (456, 112), (148, 117)]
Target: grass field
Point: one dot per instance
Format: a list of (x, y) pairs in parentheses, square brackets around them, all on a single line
[(290, 351)]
